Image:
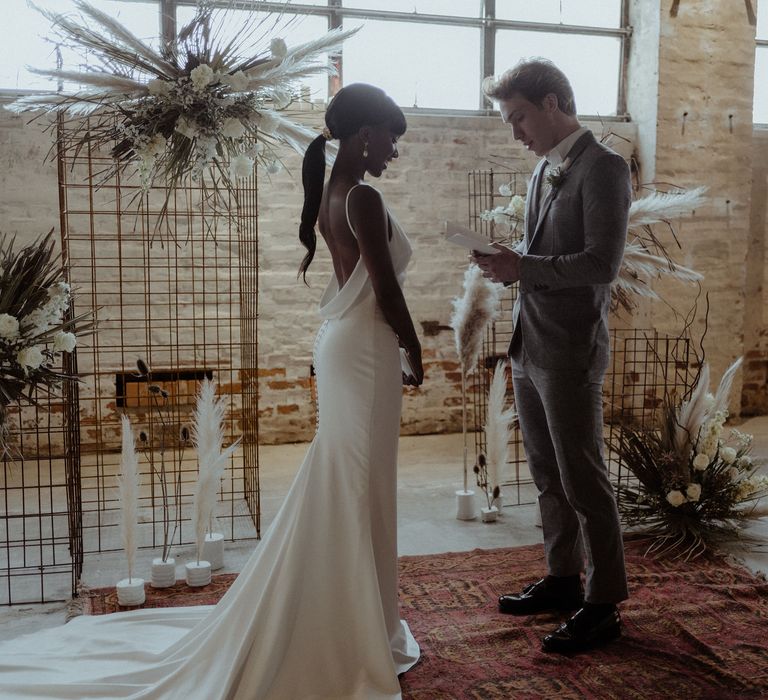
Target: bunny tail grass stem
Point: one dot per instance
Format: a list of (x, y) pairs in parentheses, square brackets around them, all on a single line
[(128, 489), (464, 419)]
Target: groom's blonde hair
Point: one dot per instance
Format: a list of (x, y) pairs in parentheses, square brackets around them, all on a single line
[(534, 79)]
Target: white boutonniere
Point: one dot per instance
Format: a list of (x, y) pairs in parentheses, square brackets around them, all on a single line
[(556, 176)]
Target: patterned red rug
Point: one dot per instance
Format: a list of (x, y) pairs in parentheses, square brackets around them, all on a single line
[(695, 630)]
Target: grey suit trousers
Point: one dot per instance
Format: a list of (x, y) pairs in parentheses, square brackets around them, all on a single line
[(560, 413)]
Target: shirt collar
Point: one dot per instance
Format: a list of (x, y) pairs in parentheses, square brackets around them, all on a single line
[(558, 154)]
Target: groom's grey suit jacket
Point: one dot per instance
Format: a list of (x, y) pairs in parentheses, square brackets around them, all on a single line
[(572, 251)]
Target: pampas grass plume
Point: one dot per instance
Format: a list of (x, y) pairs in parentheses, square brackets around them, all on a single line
[(208, 436), (498, 422), (664, 206), (724, 388), (692, 414), (639, 263), (472, 313), (128, 485)]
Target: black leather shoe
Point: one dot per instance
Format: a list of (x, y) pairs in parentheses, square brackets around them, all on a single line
[(541, 597), (587, 629)]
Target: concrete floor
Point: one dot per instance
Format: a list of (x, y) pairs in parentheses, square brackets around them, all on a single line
[(430, 472)]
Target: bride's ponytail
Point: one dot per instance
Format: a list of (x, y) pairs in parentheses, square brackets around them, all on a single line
[(353, 107), (312, 177)]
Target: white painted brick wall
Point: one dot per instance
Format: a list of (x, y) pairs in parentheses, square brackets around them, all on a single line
[(704, 63)]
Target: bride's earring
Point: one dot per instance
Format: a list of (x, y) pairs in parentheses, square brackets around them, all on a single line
[(365, 150)]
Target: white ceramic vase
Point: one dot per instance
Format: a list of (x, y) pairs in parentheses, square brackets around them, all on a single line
[(489, 515), (198, 573), (213, 550), (130, 591), (465, 505), (163, 572), (499, 503)]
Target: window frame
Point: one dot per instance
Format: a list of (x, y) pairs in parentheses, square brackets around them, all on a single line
[(759, 44), (488, 24)]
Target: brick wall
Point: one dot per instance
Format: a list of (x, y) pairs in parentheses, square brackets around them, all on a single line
[(700, 62), (695, 76)]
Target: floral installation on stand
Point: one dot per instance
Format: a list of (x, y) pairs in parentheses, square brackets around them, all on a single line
[(645, 256), (34, 329), (693, 487), (168, 437), (205, 105), (478, 307), (498, 423)]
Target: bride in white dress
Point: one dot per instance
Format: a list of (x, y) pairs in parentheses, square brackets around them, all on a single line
[(314, 613)]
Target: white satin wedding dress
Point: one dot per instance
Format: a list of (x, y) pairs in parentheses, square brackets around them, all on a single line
[(314, 613)]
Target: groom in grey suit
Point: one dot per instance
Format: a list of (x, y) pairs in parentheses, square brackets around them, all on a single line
[(575, 233)]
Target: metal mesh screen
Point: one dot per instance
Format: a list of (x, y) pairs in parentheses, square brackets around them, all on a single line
[(176, 286)]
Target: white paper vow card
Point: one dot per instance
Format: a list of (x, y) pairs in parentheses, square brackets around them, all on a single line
[(466, 238), (405, 364)]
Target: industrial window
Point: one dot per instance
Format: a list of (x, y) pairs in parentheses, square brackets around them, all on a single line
[(760, 103), (428, 54)]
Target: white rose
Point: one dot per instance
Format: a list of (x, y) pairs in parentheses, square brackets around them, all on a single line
[(64, 342), (744, 462), (505, 190), (516, 206), (241, 166), (268, 122), (676, 498), (185, 128), (202, 76), (499, 215), (158, 87), (9, 327), (237, 81), (31, 357), (59, 290), (37, 322), (232, 128), (278, 47), (206, 148), (693, 492), (701, 461), (273, 167), (728, 455)]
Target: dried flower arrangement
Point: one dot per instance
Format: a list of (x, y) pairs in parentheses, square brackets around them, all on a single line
[(34, 330), (692, 489), (205, 105)]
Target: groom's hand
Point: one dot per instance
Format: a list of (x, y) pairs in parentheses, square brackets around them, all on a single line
[(502, 267)]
